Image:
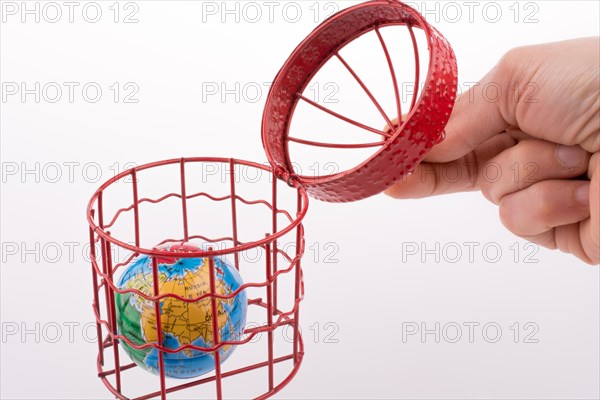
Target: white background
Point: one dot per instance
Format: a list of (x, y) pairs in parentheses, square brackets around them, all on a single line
[(170, 54)]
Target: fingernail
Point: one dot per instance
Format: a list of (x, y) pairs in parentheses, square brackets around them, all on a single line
[(571, 156), (582, 194)]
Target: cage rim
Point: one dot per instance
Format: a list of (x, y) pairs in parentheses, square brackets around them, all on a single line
[(93, 205), (325, 179)]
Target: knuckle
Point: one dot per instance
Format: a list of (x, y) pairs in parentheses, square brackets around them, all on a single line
[(512, 177), (542, 205), (518, 210), (515, 67), (508, 63), (512, 60), (525, 150), (524, 160)]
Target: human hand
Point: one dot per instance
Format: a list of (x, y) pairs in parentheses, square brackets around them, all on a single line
[(528, 151)]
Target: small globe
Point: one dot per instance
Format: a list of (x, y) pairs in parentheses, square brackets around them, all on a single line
[(182, 323)]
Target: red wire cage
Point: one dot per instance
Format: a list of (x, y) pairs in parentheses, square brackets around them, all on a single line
[(397, 151), (278, 262)]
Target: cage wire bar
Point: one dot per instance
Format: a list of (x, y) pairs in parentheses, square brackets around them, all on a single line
[(103, 273)]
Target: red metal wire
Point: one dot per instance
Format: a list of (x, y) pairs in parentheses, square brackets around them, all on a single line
[(274, 244), (364, 87), (159, 334), (108, 281), (283, 318), (394, 79), (136, 209), (184, 200), (113, 314), (108, 336), (336, 145), (345, 119), (96, 199), (269, 315), (234, 198), (297, 357), (417, 67), (215, 325), (298, 288), (96, 297)]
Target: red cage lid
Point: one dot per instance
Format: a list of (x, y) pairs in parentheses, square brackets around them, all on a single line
[(405, 146)]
